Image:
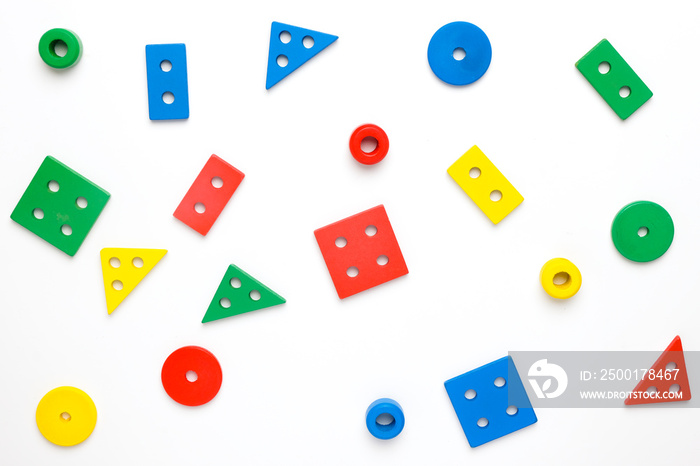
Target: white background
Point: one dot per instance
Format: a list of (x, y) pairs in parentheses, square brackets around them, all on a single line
[(299, 377)]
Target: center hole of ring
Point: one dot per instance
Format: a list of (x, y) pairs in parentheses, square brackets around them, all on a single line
[(495, 196), (385, 421), (459, 54), (561, 278), (191, 376), (168, 97), (166, 65), (58, 48), (65, 416), (369, 145), (642, 232)]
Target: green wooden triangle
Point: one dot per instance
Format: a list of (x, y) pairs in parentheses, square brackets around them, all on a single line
[(237, 294)]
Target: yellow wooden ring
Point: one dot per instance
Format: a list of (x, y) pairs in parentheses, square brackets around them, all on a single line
[(66, 416), (566, 272)]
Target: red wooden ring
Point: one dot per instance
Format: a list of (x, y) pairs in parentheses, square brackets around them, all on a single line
[(201, 362), (369, 131)]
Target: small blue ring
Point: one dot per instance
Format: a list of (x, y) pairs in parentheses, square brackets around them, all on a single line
[(385, 406), (451, 37)]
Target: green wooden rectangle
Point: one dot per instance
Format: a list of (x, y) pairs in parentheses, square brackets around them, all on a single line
[(60, 206), (610, 84)]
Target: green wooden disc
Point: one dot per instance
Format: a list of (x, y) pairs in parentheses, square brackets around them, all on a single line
[(642, 231), (47, 48)]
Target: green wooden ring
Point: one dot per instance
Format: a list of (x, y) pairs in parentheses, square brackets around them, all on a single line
[(47, 48), (628, 228)]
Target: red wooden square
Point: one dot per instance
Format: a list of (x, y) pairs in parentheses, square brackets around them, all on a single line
[(361, 243), (210, 193)]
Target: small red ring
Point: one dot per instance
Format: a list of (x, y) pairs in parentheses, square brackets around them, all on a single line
[(369, 131), (198, 360)]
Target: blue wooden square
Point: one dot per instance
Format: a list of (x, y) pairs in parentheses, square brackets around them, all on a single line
[(166, 71), (490, 401)]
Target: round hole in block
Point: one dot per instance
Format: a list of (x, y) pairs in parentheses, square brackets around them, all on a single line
[(58, 48), (671, 366), (168, 97), (217, 182), (308, 42), (137, 262), (561, 278), (470, 394), (254, 295), (369, 144), (341, 242), (459, 54), (625, 92), (352, 272), (66, 230), (285, 37), (371, 230), (604, 68), (475, 172), (200, 208), (65, 416), (166, 65), (385, 420), (642, 232), (499, 382), (81, 202), (191, 376), (512, 410), (675, 388), (225, 303), (235, 282), (282, 61), (652, 390), (38, 213), (117, 285), (482, 422), (495, 195), (382, 260), (115, 262), (53, 186)]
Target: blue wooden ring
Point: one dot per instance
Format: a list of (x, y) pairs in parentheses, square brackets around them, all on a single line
[(459, 35), (389, 407)]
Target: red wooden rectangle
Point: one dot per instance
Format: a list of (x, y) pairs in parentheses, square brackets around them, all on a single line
[(204, 191)]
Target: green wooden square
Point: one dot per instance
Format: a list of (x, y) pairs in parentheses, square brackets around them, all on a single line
[(609, 84), (60, 206)]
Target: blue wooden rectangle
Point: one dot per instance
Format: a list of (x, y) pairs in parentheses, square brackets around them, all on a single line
[(166, 71)]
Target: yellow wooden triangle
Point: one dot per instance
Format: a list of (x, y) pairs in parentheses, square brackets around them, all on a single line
[(123, 269)]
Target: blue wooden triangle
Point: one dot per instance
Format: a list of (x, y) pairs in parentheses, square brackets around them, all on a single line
[(295, 50)]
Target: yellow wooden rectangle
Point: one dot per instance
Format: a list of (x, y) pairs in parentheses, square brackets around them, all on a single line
[(484, 183)]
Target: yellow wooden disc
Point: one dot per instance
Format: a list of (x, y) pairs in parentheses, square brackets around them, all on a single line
[(560, 278), (66, 416)]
